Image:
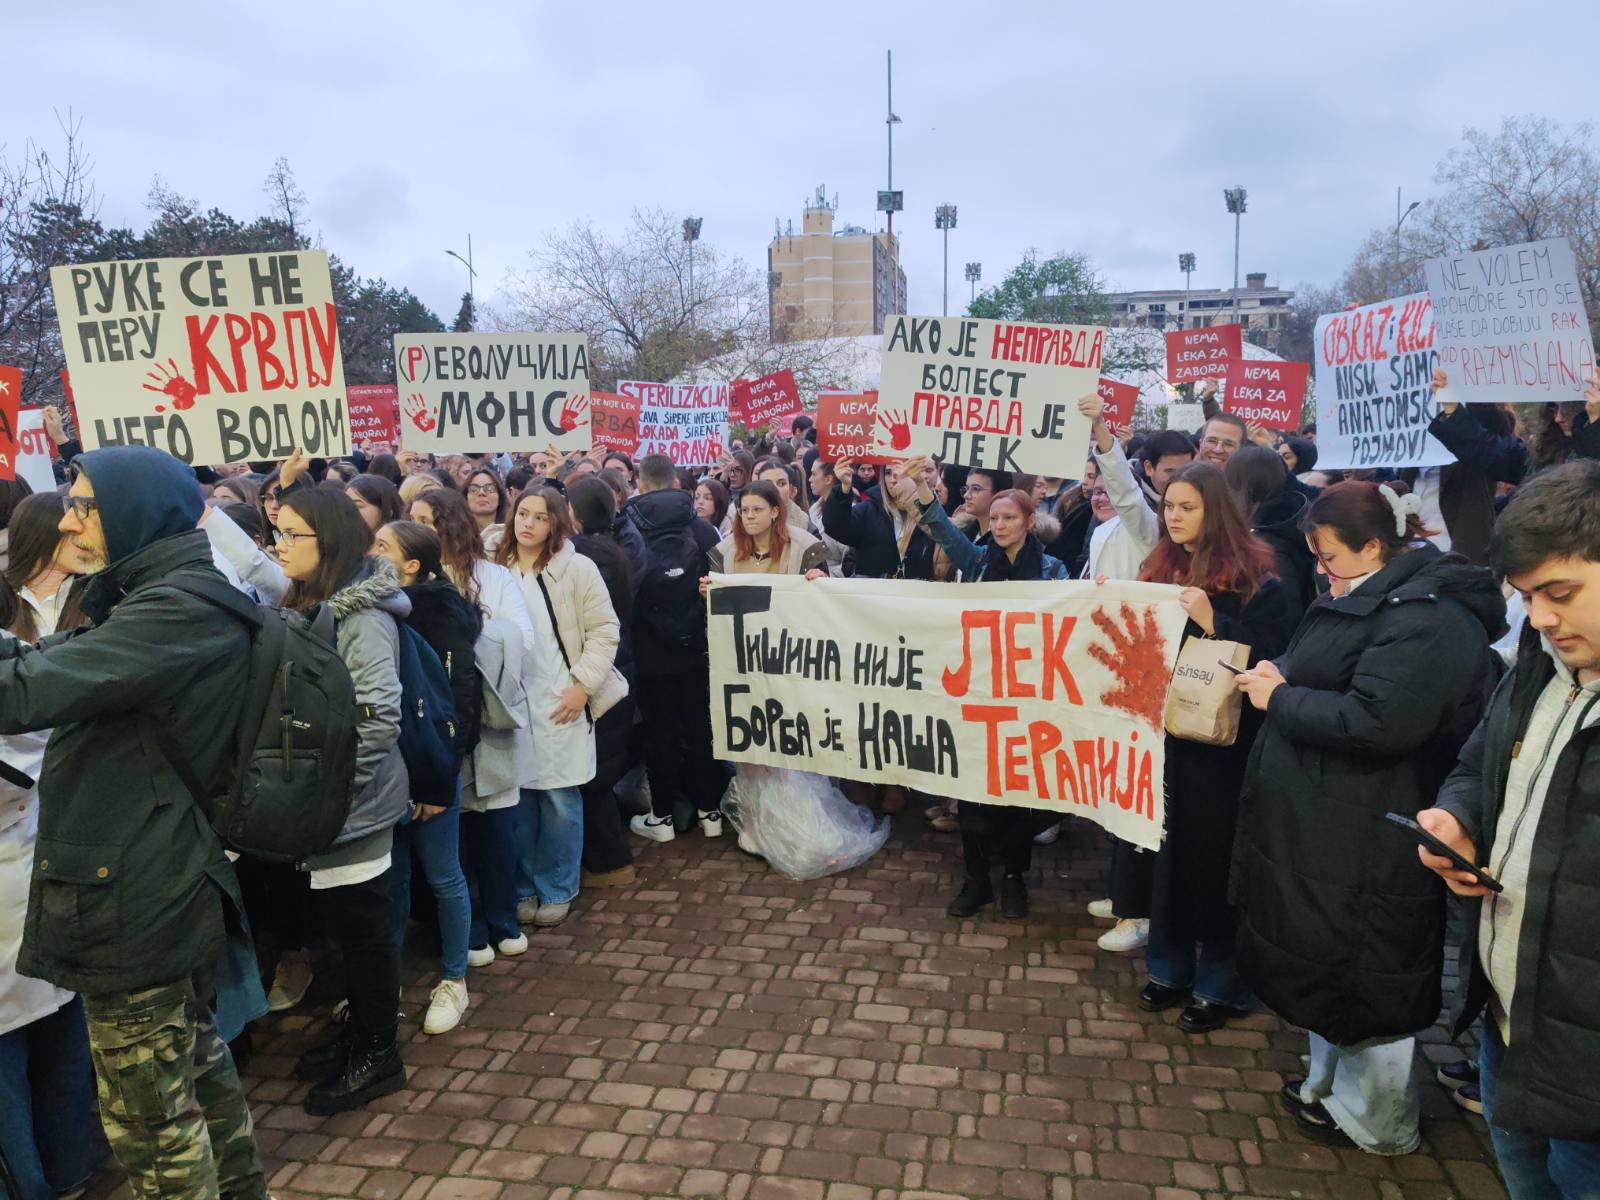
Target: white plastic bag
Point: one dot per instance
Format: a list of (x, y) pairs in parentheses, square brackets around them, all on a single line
[(800, 822)]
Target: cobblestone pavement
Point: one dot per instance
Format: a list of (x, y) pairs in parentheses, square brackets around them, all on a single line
[(717, 1030)]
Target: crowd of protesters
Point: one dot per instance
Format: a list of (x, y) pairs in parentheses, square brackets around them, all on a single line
[(558, 600)]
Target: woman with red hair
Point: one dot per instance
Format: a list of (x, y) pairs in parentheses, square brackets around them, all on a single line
[(1230, 593)]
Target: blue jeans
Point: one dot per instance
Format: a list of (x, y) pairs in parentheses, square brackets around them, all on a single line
[(550, 835), (1369, 1091), (1173, 962), (1534, 1167), (47, 1102), (489, 854), (436, 845)]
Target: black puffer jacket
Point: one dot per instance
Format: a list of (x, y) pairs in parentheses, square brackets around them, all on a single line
[(1340, 931), (1276, 522), (868, 527), (1547, 1082)]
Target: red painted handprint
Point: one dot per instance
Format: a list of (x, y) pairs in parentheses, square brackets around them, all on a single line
[(899, 430), (416, 408), (1138, 658), (169, 381), (574, 412)]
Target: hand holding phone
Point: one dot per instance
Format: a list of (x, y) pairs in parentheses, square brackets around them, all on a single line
[(1435, 846), (1230, 668)]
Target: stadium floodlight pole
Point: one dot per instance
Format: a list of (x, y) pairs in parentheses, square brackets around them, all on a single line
[(1186, 265), (944, 217), (1235, 197), (472, 277), (691, 235), (974, 273), (1399, 220)]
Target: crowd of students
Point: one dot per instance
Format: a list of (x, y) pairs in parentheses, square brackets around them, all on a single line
[(558, 602)]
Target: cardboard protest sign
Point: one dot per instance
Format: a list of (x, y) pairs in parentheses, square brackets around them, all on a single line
[(985, 393), (36, 453), (758, 401), (1373, 368), (1511, 323), (615, 420), (10, 405), (465, 393), (1186, 418), (1265, 393), (1195, 355), (845, 422), (374, 413), (688, 422), (72, 405), (1120, 399), (1045, 695), (215, 359)]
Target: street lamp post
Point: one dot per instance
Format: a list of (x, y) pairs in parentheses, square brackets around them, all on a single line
[(944, 217), (1186, 265), (1235, 197), (974, 273), (472, 278), (1399, 220), (691, 235)]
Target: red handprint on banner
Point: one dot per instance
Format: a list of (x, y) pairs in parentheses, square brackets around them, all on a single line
[(416, 408), (169, 381), (574, 412), (1138, 659), (899, 430)]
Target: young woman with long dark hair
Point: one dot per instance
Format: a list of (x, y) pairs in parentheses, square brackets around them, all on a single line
[(486, 497), (1229, 592), (376, 499), (322, 546), (1366, 712), (450, 625)]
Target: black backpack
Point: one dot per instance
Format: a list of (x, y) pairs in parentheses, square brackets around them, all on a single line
[(288, 793), (669, 615), (427, 719)]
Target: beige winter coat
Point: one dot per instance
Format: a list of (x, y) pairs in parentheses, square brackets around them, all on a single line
[(584, 617)]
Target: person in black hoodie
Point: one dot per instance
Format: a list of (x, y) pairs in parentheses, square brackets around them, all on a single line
[(1340, 933), (1274, 510), (450, 624), (673, 682), (882, 528)]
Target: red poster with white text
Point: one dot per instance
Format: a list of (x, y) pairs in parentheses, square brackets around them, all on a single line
[(845, 423), (10, 402), (1120, 399), (758, 401), (1194, 355), (374, 413), (1268, 394), (614, 422)]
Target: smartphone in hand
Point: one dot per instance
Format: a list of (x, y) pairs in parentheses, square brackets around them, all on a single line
[(1480, 876)]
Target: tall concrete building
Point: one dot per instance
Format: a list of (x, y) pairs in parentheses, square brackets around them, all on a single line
[(827, 282), (1260, 309)]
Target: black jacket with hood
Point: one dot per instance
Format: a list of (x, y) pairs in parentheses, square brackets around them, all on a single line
[(1276, 521), (450, 624), (867, 526), (669, 621), (130, 885), (1341, 931)]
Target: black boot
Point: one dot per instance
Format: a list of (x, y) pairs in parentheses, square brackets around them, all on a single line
[(1013, 896), (371, 1071), (975, 894), (327, 1057)]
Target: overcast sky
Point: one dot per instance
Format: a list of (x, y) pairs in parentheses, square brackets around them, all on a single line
[(1108, 128)]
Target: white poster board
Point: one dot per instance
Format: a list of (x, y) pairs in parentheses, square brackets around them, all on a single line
[(688, 422)]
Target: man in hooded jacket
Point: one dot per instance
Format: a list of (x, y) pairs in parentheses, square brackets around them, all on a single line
[(131, 891)]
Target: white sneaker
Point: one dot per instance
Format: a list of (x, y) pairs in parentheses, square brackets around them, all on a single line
[(551, 914), (512, 947), (446, 1008), (527, 911), (711, 823), (1046, 837), (290, 982), (1101, 910), (481, 956), (1125, 936), (657, 829)]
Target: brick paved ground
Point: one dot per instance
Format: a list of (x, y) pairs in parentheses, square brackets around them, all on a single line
[(719, 1031)]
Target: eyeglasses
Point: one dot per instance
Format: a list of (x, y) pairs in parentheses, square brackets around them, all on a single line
[(974, 489), (1217, 443), (82, 506), (270, 498), (481, 489), (288, 537)]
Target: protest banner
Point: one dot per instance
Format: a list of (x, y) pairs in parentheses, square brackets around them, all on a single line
[(1043, 695), (215, 359), (465, 393), (759, 401), (615, 420), (1266, 393), (72, 405), (986, 393), (374, 413), (845, 422), (688, 422), (1186, 418), (36, 453), (1195, 355), (1511, 326), (1120, 399), (10, 405), (1373, 367)]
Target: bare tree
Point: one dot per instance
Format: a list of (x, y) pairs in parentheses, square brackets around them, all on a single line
[(286, 201), (633, 300)]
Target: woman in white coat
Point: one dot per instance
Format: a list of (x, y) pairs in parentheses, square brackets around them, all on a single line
[(566, 591), (46, 1080)]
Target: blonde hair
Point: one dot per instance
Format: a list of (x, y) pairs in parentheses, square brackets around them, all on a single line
[(413, 486)]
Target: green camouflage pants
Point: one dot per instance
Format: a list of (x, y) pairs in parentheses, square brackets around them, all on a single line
[(170, 1099)]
